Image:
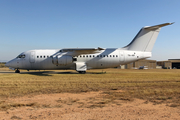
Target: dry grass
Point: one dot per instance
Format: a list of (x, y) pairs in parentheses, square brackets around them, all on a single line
[(6, 106), (2, 65), (158, 86)]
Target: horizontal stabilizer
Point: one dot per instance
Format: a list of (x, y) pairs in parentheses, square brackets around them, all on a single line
[(158, 26)]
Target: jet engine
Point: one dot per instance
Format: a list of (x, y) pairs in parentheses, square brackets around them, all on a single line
[(62, 60)]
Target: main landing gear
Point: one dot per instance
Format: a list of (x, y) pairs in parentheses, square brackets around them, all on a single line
[(17, 71), (82, 72)]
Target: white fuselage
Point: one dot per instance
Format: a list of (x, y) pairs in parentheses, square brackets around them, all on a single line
[(81, 59), (107, 58)]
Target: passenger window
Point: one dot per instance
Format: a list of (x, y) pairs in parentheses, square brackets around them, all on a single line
[(44, 56), (40, 56), (104, 56), (116, 55), (90, 56), (100, 55), (93, 55), (113, 55), (107, 55), (86, 55), (83, 56), (37, 56), (80, 55), (97, 55), (110, 56), (47, 56)]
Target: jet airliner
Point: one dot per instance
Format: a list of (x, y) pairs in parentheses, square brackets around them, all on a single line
[(82, 59)]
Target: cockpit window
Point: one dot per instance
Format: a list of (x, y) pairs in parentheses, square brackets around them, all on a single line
[(21, 56)]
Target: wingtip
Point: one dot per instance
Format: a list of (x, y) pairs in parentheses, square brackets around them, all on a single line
[(99, 48)]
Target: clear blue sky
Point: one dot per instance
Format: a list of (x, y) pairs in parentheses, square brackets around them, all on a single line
[(56, 24)]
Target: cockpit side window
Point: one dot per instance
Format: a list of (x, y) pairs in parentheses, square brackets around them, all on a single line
[(21, 56)]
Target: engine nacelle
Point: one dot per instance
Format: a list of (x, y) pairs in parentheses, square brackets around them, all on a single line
[(62, 60)]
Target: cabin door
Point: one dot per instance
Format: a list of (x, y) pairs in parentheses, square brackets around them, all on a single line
[(32, 57)]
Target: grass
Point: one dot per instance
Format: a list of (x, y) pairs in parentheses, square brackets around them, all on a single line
[(2, 65), (158, 86), (6, 106)]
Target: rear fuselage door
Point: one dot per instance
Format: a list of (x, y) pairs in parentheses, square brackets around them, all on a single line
[(121, 57)]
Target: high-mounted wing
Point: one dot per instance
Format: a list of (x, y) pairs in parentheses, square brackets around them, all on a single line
[(81, 51)]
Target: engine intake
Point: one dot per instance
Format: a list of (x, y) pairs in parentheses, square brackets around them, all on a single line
[(62, 60)]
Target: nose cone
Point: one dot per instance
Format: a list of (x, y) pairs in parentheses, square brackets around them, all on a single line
[(12, 64)]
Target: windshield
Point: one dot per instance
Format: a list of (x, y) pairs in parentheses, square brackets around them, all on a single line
[(21, 56)]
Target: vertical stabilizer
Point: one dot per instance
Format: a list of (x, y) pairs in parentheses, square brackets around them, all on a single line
[(145, 39)]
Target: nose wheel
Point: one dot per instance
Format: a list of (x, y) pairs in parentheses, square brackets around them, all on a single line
[(17, 71)]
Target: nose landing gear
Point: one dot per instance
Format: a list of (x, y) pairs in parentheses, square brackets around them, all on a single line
[(17, 71)]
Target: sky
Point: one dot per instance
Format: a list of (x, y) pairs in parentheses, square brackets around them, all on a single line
[(55, 24)]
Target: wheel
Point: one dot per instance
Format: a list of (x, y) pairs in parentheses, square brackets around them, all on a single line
[(17, 71)]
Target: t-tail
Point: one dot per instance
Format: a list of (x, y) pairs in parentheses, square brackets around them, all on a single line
[(145, 39)]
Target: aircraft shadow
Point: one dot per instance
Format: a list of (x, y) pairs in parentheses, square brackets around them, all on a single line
[(5, 72), (47, 73)]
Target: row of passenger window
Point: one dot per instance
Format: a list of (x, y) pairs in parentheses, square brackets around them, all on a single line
[(97, 56), (42, 56), (84, 56)]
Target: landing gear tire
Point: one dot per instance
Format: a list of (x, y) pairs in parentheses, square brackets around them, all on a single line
[(17, 71), (82, 72)]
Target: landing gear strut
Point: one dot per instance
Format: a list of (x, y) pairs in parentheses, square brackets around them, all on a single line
[(17, 71), (82, 72)]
